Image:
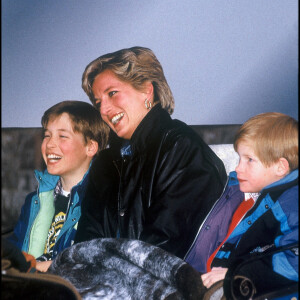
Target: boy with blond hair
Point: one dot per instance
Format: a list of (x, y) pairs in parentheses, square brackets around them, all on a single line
[(73, 134), (258, 210)]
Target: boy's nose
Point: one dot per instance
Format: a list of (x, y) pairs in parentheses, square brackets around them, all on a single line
[(238, 167), (51, 143)]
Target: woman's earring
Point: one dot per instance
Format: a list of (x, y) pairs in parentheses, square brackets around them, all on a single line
[(148, 104)]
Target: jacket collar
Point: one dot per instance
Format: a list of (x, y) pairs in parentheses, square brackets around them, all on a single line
[(148, 132), (150, 129), (48, 182), (288, 181)]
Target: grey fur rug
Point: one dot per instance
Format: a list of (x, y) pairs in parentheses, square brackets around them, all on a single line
[(127, 269)]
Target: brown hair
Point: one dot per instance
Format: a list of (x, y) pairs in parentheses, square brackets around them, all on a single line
[(135, 65), (272, 135), (85, 118)]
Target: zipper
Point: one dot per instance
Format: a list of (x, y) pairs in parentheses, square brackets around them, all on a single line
[(119, 192), (64, 228), (206, 219), (33, 215)]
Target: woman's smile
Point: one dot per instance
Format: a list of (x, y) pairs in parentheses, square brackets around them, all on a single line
[(121, 106), (117, 118)]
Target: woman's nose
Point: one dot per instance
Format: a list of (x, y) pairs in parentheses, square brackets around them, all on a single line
[(105, 106)]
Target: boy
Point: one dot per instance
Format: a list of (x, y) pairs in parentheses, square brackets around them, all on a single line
[(73, 134), (266, 185)]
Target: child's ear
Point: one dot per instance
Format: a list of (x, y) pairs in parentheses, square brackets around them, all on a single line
[(283, 167), (92, 148)]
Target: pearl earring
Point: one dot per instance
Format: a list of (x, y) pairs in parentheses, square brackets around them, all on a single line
[(148, 104)]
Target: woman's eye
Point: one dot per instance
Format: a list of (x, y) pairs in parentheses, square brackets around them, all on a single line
[(110, 94), (250, 159)]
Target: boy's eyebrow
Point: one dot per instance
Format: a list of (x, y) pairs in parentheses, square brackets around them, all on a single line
[(60, 129)]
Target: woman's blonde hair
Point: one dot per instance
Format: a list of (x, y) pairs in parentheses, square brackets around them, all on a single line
[(135, 66), (273, 136)]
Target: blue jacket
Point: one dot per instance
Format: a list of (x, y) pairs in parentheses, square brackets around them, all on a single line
[(32, 228), (272, 222)]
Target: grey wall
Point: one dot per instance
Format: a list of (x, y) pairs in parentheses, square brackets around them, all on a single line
[(224, 60)]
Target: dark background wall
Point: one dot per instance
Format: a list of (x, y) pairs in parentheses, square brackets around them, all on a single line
[(20, 155)]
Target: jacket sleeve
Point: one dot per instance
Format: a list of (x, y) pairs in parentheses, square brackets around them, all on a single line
[(278, 269), (88, 225), (97, 218), (18, 236), (189, 179)]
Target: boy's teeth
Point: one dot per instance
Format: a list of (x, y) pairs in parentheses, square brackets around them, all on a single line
[(116, 118), (52, 156)]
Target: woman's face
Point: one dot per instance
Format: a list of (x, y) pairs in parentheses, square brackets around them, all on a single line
[(121, 106)]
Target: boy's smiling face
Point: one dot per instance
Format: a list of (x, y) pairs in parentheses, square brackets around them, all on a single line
[(64, 151), (253, 176)]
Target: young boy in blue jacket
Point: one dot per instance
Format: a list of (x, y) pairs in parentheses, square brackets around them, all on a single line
[(258, 210), (73, 134)]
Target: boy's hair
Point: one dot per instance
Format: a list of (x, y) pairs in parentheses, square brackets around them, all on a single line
[(135, 66), (85, 118), (272, 135)]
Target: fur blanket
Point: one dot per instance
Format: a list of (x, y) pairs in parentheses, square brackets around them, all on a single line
[(126, 269)]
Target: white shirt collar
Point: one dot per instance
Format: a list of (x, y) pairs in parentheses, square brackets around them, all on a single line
[(254, 196)]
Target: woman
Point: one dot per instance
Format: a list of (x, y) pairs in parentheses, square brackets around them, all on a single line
[(158, 179)]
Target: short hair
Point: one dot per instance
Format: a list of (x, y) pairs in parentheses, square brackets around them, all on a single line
[(85, 120), (272, 135), (135, 66)]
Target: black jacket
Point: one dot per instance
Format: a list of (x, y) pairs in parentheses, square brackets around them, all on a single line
[(160, 194)]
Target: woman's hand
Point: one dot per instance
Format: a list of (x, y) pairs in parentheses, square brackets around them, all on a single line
[(43, 266), (213, 276)]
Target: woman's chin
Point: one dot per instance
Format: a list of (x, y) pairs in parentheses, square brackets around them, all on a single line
[(123, 134)]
